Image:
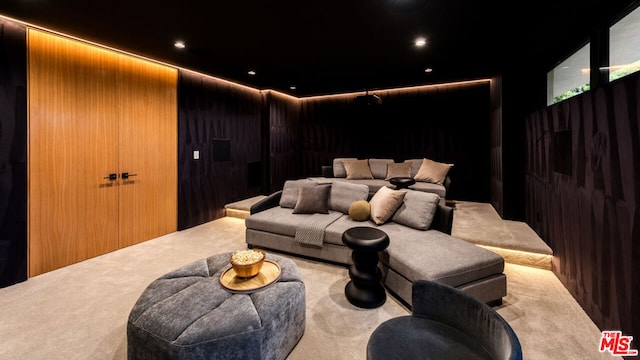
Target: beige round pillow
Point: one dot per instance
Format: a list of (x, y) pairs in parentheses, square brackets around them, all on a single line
[(360, 210)]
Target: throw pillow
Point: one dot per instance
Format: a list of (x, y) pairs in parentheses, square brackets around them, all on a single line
[(360, 210), (313, 199), (433, 171), (417, 210), (357, 169), (338, 167), (344, 193), (384, 203), (398, 170), (290, 192)]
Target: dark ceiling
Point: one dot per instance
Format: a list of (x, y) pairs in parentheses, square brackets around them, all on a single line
[(331, 46)]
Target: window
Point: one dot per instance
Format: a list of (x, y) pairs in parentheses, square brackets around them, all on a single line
[(624, 46), (570, 77)]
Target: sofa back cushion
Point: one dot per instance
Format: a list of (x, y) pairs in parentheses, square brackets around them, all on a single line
[(379, 167), (338, 167), (290, 192), (417, 210), (415, 166), (343, 194)]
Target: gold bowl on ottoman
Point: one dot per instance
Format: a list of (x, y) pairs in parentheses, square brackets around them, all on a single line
[(247, 263)]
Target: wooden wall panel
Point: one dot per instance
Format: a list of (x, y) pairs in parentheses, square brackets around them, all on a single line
[(148, 146), (73, 145), (590, 217), (95, 112)]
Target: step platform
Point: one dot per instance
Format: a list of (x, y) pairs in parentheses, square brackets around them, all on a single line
[(240, 209)]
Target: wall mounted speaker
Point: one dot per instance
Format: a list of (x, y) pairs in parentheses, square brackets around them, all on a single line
[(221, 150)]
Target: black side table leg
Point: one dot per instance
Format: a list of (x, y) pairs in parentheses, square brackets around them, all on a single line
[(365, 290)]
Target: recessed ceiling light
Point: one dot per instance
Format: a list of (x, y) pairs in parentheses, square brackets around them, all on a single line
[(292, 87), (420, 42), (251, 72), (179, 44), (428, 70)]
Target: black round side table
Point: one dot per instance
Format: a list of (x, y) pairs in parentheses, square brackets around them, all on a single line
[(402, 182), (365, 290)]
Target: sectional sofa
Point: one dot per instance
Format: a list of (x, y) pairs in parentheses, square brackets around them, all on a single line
[(419, 230), (429, 175)]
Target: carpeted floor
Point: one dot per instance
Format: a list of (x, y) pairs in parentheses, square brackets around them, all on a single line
[(80, 311)]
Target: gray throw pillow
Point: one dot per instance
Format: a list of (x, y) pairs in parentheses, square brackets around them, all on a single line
[(313, 199), (417, 209), (343, 194), (290, 192)]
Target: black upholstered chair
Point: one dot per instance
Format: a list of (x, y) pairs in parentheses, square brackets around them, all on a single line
[(446, 324)]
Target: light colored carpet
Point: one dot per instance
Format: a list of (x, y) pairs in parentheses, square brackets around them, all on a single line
[(80, 311)]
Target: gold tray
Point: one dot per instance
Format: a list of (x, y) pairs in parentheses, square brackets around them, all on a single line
[(269, 273)]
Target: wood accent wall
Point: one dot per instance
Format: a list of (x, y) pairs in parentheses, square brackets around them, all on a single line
[(95, 112), (589, 211)]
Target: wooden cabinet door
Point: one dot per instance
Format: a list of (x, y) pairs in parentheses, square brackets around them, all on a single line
[(148, 150), (73, 146)]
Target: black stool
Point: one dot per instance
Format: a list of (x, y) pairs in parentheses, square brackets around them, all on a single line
[(365, 290)]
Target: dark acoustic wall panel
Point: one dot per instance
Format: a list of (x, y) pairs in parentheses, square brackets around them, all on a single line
[(285, 140), (447, 123), (210, 109), (496, 180), (13, 153), (589, 215)]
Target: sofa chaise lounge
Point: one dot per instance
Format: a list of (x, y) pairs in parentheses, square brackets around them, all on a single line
[(419, 229)]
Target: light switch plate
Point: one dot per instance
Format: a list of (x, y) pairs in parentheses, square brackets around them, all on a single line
[(196, 154)]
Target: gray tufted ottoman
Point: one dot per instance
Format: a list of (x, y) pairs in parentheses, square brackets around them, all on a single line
[(187, 314)]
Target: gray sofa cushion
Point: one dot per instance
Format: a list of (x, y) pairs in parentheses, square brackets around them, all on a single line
[(379, 167), (417, 210), (279, 220), (432, 255), (430, 187), (415, 166), (343, 194)]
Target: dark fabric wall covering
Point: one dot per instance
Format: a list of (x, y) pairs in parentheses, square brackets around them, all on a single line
[(13, 153), (496, 180), (211, 109), (591, 217), (448, 123), (284, 141)]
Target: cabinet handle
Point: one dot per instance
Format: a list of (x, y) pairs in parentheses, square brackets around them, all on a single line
[(126, 175), (111, 177)]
